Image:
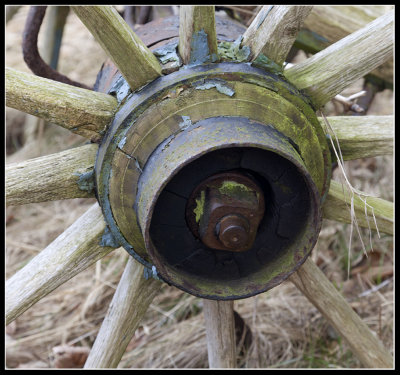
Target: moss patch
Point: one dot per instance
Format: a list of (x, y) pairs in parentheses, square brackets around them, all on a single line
[(236, 190), (199, 210)]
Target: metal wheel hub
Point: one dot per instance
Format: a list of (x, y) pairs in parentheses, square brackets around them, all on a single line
[(248, 128)]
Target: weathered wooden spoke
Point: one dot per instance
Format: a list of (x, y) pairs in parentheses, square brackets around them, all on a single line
[(327, 24), (66, 175), (337, 207), (220, 128), (274, 30), (361, 137), (328, 72), (197, 35), (81, 111), (220, 332), (74, 250), (130, 302), (134, 60), (320, 291)]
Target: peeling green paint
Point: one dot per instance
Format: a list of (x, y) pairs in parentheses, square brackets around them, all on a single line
[(86, 180), (122, 143), (199, 210), (185, 123), (220, 85), (151, 273), (138, 165), (107, 239), (120, 89), (231, 51), (168, 54), (199, 50)]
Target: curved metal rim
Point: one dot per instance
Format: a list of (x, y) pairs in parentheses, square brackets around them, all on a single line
[(315, 218), (137, 102)]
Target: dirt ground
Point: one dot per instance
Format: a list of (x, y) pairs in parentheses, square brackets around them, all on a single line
[(287, 330)]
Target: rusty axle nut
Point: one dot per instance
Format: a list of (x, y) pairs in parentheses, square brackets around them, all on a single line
[(229, 207), (233, 231)]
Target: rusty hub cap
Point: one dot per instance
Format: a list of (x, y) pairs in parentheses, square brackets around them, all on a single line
[(228, 208), (233, 232)]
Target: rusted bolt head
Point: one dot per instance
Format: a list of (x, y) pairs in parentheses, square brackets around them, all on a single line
[(233, 231), (225, 210)]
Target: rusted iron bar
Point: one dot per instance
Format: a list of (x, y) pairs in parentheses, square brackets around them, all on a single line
[(31, 53)]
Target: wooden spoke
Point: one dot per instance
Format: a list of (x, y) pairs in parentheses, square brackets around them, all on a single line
[(84, 112), (337, 207), (220, 331), (130, 302), (312, 282), (362, 136), (327, 73), (56, 17), (135, 61), (65, 175), (326, 24), (70, 253), (274, 30), (197, 35)]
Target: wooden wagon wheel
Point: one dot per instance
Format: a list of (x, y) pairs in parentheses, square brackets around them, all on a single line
[(213, 170)]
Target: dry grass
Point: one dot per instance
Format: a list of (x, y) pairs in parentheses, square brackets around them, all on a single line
[(287, 331)]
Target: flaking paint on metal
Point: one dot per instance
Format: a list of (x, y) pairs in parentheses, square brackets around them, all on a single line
[(199, 49), (220, 85), (86, 181), (184, 124), (107, 239), (167, 53)]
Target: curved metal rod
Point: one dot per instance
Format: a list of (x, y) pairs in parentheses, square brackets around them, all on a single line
[(31, 53)]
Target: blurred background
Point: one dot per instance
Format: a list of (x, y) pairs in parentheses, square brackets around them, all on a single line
[(279, 328)]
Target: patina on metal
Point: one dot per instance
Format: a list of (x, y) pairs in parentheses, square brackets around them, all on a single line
[(287, 231), (224, 211), (233, 118)]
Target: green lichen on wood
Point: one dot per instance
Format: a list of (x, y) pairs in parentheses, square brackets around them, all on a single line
[(199, 209)]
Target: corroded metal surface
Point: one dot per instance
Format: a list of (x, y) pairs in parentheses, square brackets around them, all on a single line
[(171, 106), (224, 211), (285, 238), (31, 52), (168, 28)]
